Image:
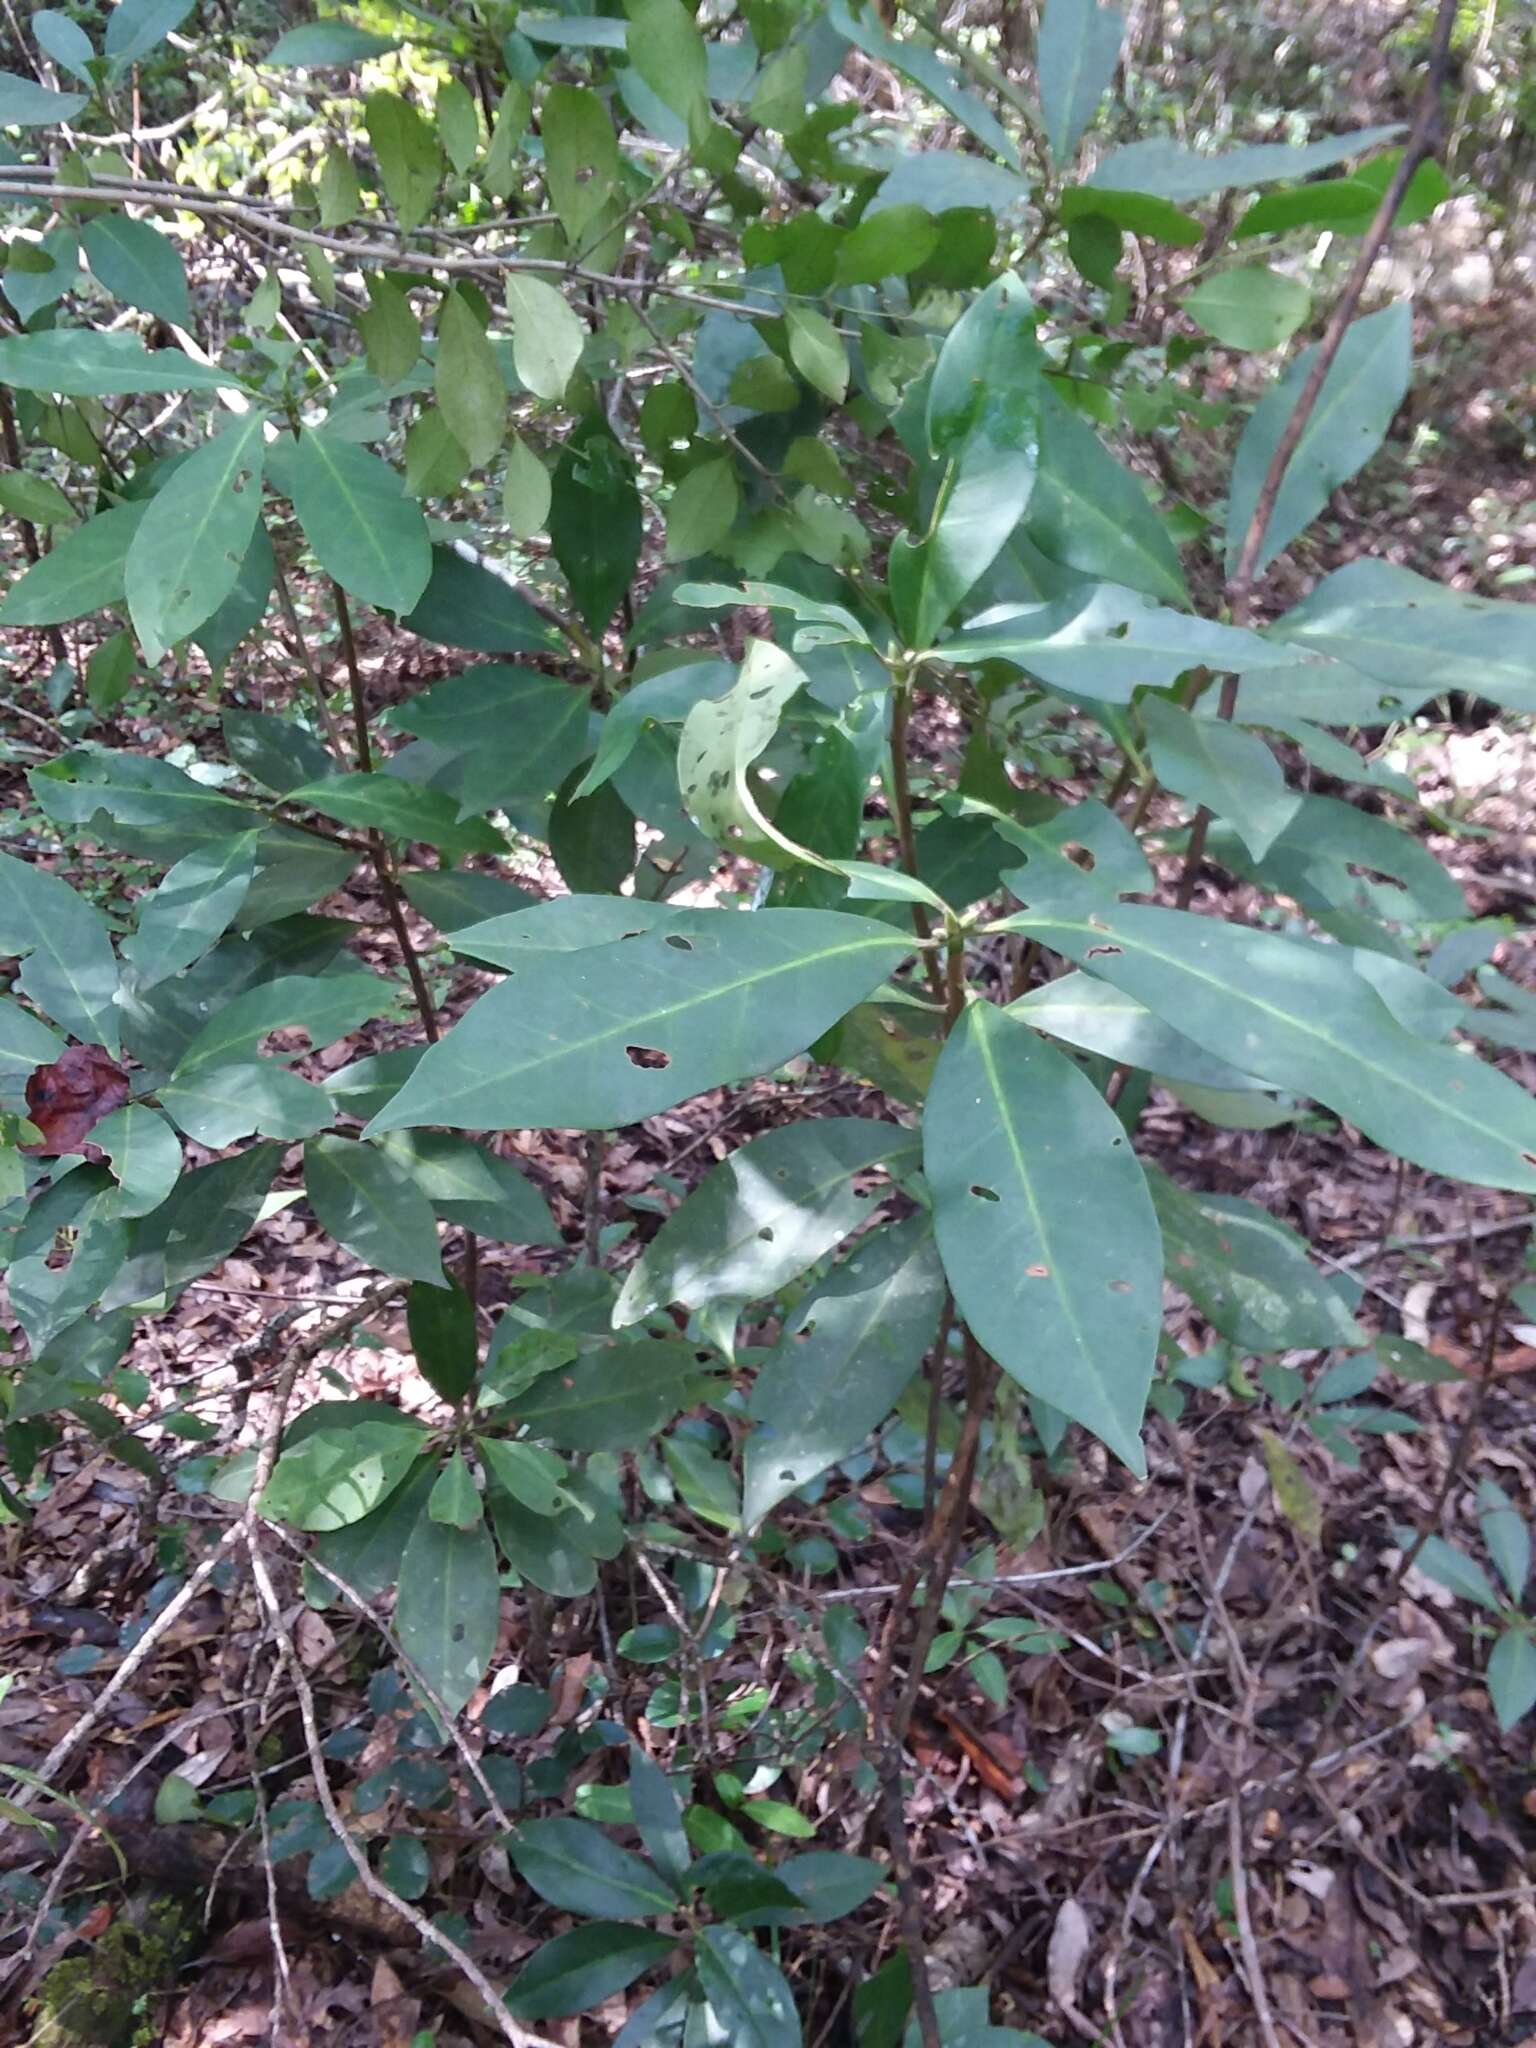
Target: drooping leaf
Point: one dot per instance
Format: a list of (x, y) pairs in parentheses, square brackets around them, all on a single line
[(1299, 1015), (410, 162), (582, 1968), (356, 516), (547, 335), (65, 41), (1366, 383), (390, 330), (712, 998), (658, 1815), (841, 1363), (575, 1867), (138, 264), (762, 1217), (244, 608), (69, 970), (441, 1321), (1075, 60), (470, 391), (1229, 770), (448, 1610), (465, 605), (1044, 1224), (368, 1204)]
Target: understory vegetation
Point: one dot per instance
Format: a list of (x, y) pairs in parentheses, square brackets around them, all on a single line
[(765, 1113)]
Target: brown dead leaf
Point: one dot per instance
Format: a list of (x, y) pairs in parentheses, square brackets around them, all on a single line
[(68, 1098)]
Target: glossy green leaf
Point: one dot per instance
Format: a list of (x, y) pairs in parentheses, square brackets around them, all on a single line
[(528, 1473), (80, 573), (585, 168), (702, 510), (34, 498), (390, 330), (658, 1815), (843, 1359), (368, 1204), (667, 50), (137, 263), (196, 1228), (1414, 637), (1083, 1011), (448, 1610), (1251, 308), (1506, 1535), (277, 752), (1044, 1224), (512, 736), (65, 41), (26, 104), (574, 1866), (763, 1216), (542, 1548), (1451, 1568), (367, 1553), (830, 1884), (455, 1498), (458, 123), (1075, 59), (471, 1185), (1297, 1014), (580, 1969), (1231, 771), (817, 352), (470, 392), (336, 1475), (452, 901), (747, 1992), (83, 362), (527, 491), (595, 523), (25, 1041), (364, 530), (465, 605), (138, 802), (410, 162), (1090, 513), (1248, 1275), (892, 243), (1139, 213), (612, 1399), (218, 1104), (441, 1322), (327, 42), (68, 970), (1366, 383), (327, 1007), (193, 906), (715, 997), (244, 608)]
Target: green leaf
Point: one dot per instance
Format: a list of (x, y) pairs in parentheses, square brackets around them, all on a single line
[(711, 999), (1297, 1014), (138, 264), (472, 1186), (244, 608), (721, 738), (1091, 1015), (817, 352), (575, 1867), (829, 1884), (217, 1104), (145, 1156), (841, 1363), (747, 1994), (1451, 1568), (176, 1801), (526, 491), (448, 1610), (1044, 1224), (405, 1866), (927, 71), (703, 510), (66, 42), (1512, 1676), (1140, 213), (26, 104), (1504, 1532), (510, 735), (192, 907), (364, 530), (81, 573), (135, 27), (547, 335), (458, 123), (585, 169), (441, 1321), (470, 393), (83, 362), (892, 243), (1251, 308), (455, 1498), (762, 1217), (275, 751), (315, 43), (465, 605), (336, 1475), (337, 189), (667, 50), (1248, 1275), (1366, 383), (390, 330), (658, 1815), (1078, 49), (367, 1553), (780, 1818), (528, 1473), (613, 1399), (1091, 514), (582, 1968), (327, 1007), (542, 1548), (1106, 643), (410, 162), (364, 1200), (1173, 172), (196, 1228), (1413, 636), (381, 802), (25, 1041), (69, 971), (595, 522), (34, 498), (1231, 771)]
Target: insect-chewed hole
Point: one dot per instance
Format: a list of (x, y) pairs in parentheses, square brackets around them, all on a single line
[(647, 1056), (1037, 1272), (1119, 1286), (766, 1233), (676, 939), (984, 1194), (1080, 856), (1096, 952)]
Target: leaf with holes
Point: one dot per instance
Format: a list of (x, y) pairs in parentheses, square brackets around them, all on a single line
[(448, 1609), (714, 997), (842, 1362), (1044, 1224), (721, 738)]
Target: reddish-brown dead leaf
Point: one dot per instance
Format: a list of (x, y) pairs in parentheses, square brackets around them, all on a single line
[(67, 1099)]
